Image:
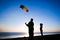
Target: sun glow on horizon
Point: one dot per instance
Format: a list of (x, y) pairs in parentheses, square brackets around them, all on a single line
[(25, 29)]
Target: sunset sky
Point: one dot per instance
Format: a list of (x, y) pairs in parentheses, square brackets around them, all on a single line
[(13, 18)]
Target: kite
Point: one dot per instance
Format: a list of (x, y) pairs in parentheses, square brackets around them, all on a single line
[(24, 8)]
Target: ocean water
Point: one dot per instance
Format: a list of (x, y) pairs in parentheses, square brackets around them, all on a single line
[(4, 35)]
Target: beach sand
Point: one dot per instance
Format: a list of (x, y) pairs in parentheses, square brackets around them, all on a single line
[(45, 37)]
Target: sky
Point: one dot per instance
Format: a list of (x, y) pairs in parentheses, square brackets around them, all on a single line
[(13, 18)]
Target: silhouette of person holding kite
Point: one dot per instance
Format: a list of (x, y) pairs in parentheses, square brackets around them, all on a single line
[(30, 26), (41, 30)]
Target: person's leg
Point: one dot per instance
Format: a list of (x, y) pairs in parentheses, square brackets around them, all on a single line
[(31, 35), (42, 32)]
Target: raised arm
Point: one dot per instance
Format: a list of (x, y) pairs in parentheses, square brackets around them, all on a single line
[(26, 24)]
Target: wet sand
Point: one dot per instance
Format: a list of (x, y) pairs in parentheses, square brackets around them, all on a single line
[(45, 37)]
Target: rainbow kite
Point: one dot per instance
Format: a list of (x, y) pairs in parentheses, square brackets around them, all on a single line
[(24, 8)]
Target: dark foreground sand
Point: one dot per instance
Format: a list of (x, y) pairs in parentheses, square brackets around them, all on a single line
[(45, 37)]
